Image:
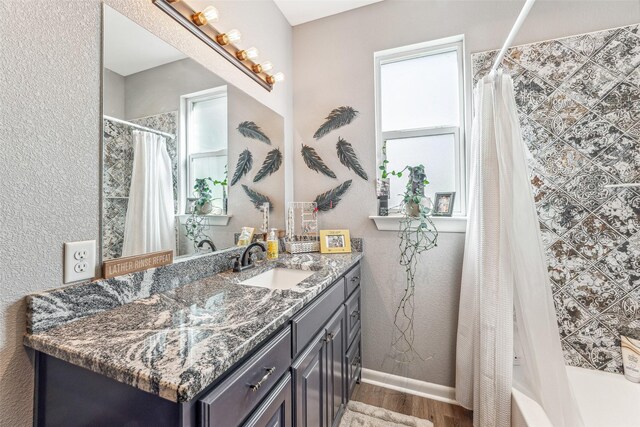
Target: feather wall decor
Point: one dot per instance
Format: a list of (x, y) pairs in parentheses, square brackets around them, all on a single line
[(349, 158), (270, 165), (256, 198), (314, 161), (338, 117), (330, 199), (252, 130), (244, 165)]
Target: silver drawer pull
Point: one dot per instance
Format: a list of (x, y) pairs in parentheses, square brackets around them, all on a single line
[(255, 387), (355, 278), (356, 314), (329, 337), (356, 361)]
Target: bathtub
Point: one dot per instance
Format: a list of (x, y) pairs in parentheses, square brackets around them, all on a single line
[(604, 400)]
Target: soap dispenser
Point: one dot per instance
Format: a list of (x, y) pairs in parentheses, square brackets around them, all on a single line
[(272, 244)]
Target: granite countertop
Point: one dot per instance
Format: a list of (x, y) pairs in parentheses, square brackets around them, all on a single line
[(176, 343)]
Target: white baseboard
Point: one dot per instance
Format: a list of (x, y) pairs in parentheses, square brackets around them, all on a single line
[(410, 386)]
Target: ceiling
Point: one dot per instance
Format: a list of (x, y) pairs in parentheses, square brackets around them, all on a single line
[(129, 48), (301, 11)]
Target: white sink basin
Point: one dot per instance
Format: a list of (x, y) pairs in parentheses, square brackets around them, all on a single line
[(278, 278)]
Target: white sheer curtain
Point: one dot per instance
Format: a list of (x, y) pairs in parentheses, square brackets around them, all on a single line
[(149, 225), (504, 278)]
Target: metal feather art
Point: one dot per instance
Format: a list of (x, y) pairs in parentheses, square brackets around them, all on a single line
[(245, 163), (252, 130), (349, 158), (338, 117), (270, 165), (314, 161), (330, 199), (257, 199)]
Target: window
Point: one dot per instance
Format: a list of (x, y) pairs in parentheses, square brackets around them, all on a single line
[(204, 117), (420, 115)]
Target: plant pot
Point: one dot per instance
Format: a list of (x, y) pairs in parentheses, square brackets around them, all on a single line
[(412, 209), (205, 209)]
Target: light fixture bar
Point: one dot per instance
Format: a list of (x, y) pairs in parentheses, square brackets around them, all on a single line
[(182, 14)]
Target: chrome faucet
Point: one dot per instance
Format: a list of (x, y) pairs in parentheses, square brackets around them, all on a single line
[(245, 261)]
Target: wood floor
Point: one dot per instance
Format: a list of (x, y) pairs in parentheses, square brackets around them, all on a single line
[(439, 413)]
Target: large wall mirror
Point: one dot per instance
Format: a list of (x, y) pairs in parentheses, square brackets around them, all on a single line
[(188, 159)]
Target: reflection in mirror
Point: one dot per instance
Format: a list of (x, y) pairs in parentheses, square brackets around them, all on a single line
[(170, 135)]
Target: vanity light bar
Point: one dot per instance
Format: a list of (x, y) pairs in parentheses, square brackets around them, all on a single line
[(199, 23)]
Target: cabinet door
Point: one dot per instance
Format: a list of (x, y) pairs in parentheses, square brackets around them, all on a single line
[(276, 410), (309, 373), (335, 345)]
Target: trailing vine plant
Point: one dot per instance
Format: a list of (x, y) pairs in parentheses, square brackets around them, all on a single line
[(417, 234), (195, 224)]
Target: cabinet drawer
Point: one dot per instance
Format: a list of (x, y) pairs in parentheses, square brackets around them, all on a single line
[(352, 279), (353, 316), (277, 408), (308, 323), (354, 365), (237, 396)]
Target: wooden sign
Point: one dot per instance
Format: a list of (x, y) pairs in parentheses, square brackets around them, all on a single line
[(131, 264)]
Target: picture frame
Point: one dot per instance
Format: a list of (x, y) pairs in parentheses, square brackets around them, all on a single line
[(335, 241), (443, 204)]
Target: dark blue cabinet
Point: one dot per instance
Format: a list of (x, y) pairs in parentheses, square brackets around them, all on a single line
[(319, 376), (309, 373)]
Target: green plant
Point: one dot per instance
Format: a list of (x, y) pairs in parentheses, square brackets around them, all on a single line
[(415, 186), (417, 234), (202, 190), (194, 225)]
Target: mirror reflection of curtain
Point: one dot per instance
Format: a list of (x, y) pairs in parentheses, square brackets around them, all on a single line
[(149, 225)]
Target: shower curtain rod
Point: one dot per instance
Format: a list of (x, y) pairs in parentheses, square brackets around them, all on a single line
[(512, 34), (168, 135)]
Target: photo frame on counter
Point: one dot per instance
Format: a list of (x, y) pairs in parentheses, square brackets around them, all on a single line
[(335, 241), (443, 204)]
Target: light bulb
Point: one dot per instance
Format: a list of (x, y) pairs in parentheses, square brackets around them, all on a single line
[(211, 13), (277, 77), (245, 54), (228, 37), (208, 14), (233, 35), (259, 68), (266, 66), (252, 52)]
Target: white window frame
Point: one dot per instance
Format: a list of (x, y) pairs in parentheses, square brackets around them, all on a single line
[(186, 159), (449, 44)]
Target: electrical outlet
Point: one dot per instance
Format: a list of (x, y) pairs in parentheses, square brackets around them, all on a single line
[(79, 260)]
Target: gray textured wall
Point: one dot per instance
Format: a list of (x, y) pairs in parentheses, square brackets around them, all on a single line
[(157, 90), (49, 139), (333, 65), (113, 98)]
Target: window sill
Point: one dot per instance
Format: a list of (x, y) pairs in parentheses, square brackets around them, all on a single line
[(444, 224), (217, 220)]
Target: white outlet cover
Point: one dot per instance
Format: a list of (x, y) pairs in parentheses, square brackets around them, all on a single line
[(79, 260)]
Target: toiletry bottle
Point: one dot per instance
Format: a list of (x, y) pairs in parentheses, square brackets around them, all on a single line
[(272, 244), (630, 358)]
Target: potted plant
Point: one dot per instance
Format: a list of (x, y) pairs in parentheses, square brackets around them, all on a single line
[(203, 192), (417, 234), (202, 206)]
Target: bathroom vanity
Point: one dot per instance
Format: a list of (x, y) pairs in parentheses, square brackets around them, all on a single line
[(214, 352)]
